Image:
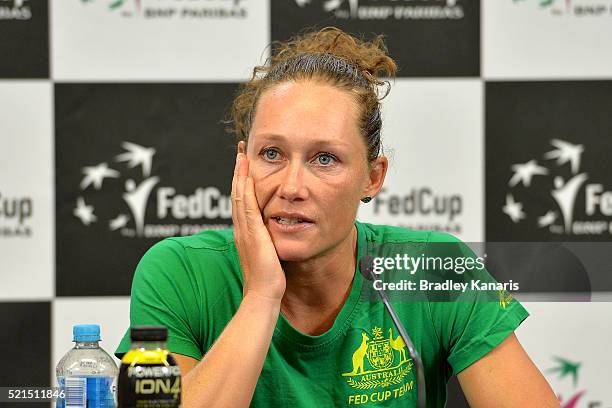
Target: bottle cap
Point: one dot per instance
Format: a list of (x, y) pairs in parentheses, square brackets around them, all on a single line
[(149, 333), (86, 332)]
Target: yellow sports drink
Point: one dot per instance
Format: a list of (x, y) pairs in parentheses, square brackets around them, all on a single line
[(149, 376)]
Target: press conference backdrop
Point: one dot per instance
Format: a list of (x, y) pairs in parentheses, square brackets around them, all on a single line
[(111, 140)]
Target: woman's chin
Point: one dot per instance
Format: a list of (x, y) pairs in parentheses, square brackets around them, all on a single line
[(292, 253)]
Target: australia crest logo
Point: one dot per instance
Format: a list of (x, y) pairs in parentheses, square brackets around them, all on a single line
[(379, 361)]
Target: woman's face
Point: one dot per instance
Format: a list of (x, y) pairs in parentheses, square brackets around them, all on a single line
[(308, 163)]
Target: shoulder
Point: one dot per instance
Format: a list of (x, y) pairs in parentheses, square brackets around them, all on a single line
[(190, 254), (209, 242), (380, 233), (214, 240)]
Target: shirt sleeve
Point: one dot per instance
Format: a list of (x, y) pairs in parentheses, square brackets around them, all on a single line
[(163, 294), (471, 324)]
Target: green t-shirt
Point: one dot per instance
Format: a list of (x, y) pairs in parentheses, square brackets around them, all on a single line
[(193, 286)]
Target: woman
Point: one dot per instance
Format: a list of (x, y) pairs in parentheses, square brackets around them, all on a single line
[(272, 313)]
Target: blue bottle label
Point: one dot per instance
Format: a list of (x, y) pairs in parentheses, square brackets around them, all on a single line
[(87, 392)]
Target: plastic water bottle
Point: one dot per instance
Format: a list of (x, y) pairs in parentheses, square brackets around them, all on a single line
[(87, 374)]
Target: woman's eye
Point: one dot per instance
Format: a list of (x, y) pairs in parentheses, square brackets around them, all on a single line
[(325, 159), (271, 154)]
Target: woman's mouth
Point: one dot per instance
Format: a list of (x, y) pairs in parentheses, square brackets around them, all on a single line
[(288, 221), (284, 224)]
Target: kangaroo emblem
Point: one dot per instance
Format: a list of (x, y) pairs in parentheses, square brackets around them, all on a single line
[(359, 355), (397, 344)]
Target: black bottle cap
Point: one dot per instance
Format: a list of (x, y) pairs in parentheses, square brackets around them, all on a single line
[(149, 333)]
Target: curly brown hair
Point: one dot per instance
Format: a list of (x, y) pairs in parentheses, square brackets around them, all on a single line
[(329, 55)]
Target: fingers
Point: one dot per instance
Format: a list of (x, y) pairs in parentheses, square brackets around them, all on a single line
[(238, 213), (234, 195), (242, 172), (236, 216), (254, 219), (245, 209)]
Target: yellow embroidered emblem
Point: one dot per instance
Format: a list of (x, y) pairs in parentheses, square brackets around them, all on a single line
[(387, 363), (504, 299)]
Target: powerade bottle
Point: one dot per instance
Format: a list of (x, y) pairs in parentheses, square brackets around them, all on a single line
[(149, 376), (87, 374)]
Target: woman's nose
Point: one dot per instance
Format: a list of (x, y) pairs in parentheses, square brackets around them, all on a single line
[(292, 184)]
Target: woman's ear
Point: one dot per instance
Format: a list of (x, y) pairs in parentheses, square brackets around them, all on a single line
[(376, 176)]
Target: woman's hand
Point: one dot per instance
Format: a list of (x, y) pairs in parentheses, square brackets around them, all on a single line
[(261, 269)]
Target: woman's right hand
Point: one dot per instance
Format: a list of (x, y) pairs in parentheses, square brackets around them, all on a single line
[(262, 273)]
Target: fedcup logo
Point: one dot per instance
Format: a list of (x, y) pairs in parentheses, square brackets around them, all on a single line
[(132, 222), (431, 209), (390, 9), (15, 215), (564, 191)]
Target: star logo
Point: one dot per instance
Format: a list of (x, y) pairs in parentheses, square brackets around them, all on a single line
[(330, 5), (565, 196), (134, 203), (566, 152), (513, 209), (547, 219), (135, 195), (559, 174), (573, 401), (137, 155), (95, 175), (334, 5), (566, 368), (119, 222), (84, 212), (524, 172)]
